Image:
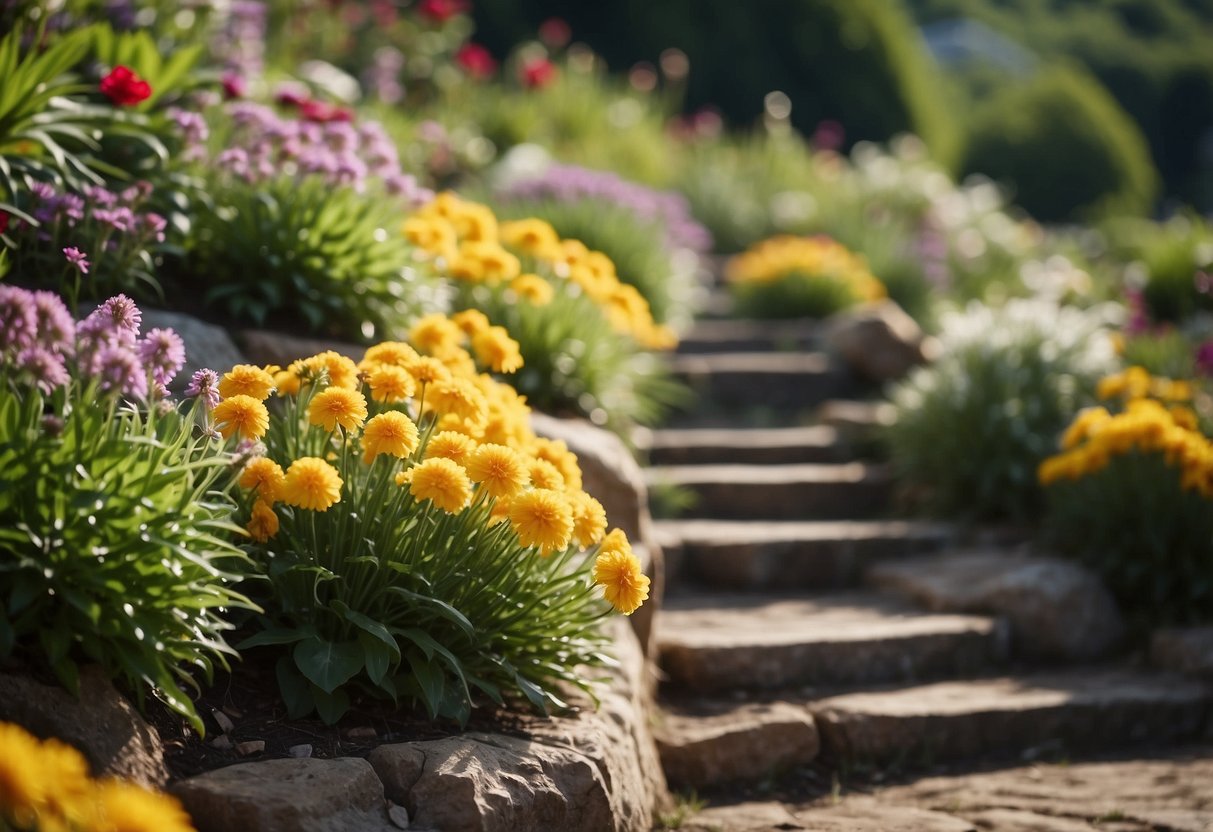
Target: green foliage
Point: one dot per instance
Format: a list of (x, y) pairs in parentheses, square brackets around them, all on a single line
[(636, 247), (576, 362), (972, 427), (1150, 538), (797, 295), (858, 62), (1064, 145), (289, 248), (1168, 353), (113, 540), (1174, 255)]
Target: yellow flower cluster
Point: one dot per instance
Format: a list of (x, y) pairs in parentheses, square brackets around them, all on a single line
[(458, 436), (45, 785), (1146, 425), (466, 240), (784, 256)]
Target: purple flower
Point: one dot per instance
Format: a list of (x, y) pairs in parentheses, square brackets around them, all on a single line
[(119, 371), (56, 328), (163, 352), (1204, 358), (153, 226), (114, 322), (42, 191), (101, 197), (18, 318), (77, 258), (43, 367), (204, 385)]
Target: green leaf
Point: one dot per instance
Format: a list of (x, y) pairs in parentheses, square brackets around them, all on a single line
[(429, 680), (274, 635), (296, 690), (331, 706), (369, 626), (377, 656), (327, 664)]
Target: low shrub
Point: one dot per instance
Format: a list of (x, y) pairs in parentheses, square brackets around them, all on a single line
[(584, 335), (420, 542), (114, 522), (799, 277), (47, 788), (971, 428), (1130, 494)]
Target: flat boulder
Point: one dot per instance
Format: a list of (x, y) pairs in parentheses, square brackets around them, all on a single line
[(1057, 609), (206, 345), (879, 341), (1184, 649)]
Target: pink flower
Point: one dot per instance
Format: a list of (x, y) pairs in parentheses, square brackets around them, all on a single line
[(537, 73), (322, 112), (441, 11), (555, 32), (476, 61), (77, 258), (234, 86), (124, 87)]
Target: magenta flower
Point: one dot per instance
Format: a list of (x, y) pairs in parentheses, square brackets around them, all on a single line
[(119, 371), (56, 328), (77, 258), (18, 318), (163, 352), (43, 367), (205, 385)]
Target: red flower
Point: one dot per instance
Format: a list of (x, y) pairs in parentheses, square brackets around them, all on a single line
[(124, 87), (234, 86), (555, 32), (323, 112), (537, 73), (476, 61), (3, 221), (441, 11)]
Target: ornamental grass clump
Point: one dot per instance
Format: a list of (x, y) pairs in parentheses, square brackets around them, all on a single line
[(114, 525), (1131, 494), (45, 787), (585, 336), (799, 277), (420, 543), (971, 428)]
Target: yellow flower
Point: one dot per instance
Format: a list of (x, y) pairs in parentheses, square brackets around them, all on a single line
[(392, 433), (341, 369), (497, 350), (557, 452), (312, 483), (623, 582), (470, 321), (493, 263), (542, 518), (288, 382), (24, 787), (545, 475), (533, 289), (263, 524), (265, 476), (458, 397), (427, 370), (499, 470), (449, 444), (396, 353), (531, 236), (126, 807), (241, 414), (435, 334), (246, 380), (1185, 417), (436, 236), (1085, 423), (390, 383), (443, 482), (337, 406), (589, 519)]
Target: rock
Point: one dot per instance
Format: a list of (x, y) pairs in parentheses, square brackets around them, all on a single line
[(304, 750), (742, 817), (864, 817), (102, 724), (206, 345), (1017, 820), (611, 475), (597, 770), (879, 341), (362, 732), (725, 744), (222, 742), (265, 347), (790, 380), (249, 748), (223, 721), (342, 795), (1186, 650), (398, 815), (857, 422), (1057, 609)]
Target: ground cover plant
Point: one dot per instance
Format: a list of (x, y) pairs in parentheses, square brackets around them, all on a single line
[(585, 336), (117, 532), (1129, 494), (419, 542)]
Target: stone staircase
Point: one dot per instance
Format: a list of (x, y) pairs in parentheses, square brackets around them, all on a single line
[(779, 642)]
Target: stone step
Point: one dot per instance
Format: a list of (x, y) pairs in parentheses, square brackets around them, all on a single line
[(750, 555), (1083, 709), (717, 642), (779, 492), (856, 418), (774, 379), (739, 335), (753, 446), (709, 743)]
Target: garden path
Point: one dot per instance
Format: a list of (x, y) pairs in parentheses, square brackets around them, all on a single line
[(793, 674)]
